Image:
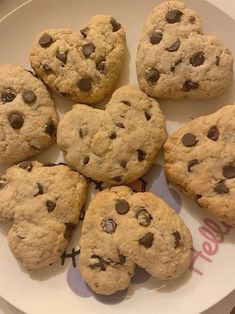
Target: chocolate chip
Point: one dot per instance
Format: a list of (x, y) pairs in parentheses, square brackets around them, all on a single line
[(81, 133), (88, 49), (86, 160), (221, 188), (108, 225), (85, 84), (155, 38), (152, 76), (189, 140), (143, 217), (177, 237), (123, 164), (46, 67), (122, 259), (147, 240), (217, 62), (50, 127), (117, 178), (192, 163), (3, 183), (213, 133), (113, 136), (126, 102), (173, 16), (40, 190), (188, 85), (141, 155), (192, 19), (16, 120), (50, 205), (197, 59), (174, 47), (69, 228), (120, 125), (8, 95), (98, 263), (115, 24), (84, 32), (62, 56), (46, 40), (27, 165), (229, 171), (29, 96), (147, 116), (122, 206), (100, 66)]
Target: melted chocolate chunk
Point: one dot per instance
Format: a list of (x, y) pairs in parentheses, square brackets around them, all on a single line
[(81, 133), (50, 128), (155, 38), (85, 84), (189, 85), (69, 228), (221, 188), (147, 115), (108, 225), (39, 191), (152, 75), (98, 263), (217, 61), (122, 206), (192, 163), (8, 95), (86, 160), (213, 133), (62, 56), (173, 16), (177, 237), (88, 49), (45, 41), (100, 66), (115, 24), (123, 164), (29, 96), (50, 205), (117, 178), (189, 140), (141, 155), (147, 240), (84, 32), (27, 165), (174, 47), (120, 125), (229, 171), (16, 120), (143, 217), (197, 59), (113, 136), (126, 102)]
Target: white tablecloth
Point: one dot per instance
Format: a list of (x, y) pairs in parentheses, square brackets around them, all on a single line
[(227, 304)]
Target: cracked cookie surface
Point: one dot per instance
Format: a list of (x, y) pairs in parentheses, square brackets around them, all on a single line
[(200, 160), (83, 65), (175, 59), (123, 229), (44, 203), (28, 119), (116, 145)]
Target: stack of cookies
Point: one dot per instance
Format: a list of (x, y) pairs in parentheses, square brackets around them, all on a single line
[(122, 229)]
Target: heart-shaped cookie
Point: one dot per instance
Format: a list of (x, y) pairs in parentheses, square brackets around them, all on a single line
[(43, 202), (200, 159), (116, 145), (175, 59), (121, 229), (85, 65)]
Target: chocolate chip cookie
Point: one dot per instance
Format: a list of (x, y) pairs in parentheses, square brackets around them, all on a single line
[(116, 145), (28, 118), (175, 59), (200, 159), (123, 229), (83, 65), (44, 203)]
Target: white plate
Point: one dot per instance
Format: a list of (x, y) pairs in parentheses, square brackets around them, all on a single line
[(59, 289)]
